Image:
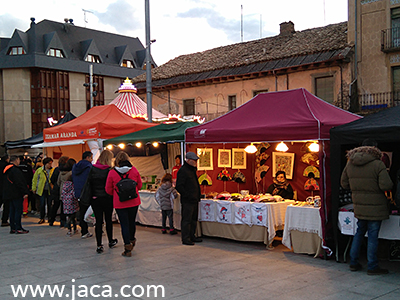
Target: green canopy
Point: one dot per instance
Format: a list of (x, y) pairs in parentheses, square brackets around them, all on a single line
[(168, 133)]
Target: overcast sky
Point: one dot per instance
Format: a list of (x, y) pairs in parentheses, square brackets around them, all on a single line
[(179, 26)]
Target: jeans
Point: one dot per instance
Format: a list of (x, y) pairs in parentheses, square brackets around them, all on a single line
[(127, 220), (189, 221), (45, 199), (170, 214), (373, 231), (15, 213)]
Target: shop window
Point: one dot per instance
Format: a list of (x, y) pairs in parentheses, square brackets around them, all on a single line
[(255, 93), (231, 102), (93, 58), (55, 53), (127, 64), (324, 88), (16, 51), (188, 107)]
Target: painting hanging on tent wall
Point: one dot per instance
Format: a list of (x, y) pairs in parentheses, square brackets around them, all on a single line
[(205, 161), (283, 162), (224, 158), (238, 158)]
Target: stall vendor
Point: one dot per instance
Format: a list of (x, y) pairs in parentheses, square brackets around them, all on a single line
[(281, 186), (176, 168)]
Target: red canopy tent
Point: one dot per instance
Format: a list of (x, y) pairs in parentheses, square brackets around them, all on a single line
[(89, 130), (131, 104), (293, 115)]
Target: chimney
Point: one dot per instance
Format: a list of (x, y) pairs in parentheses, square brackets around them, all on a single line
[(287, 28)]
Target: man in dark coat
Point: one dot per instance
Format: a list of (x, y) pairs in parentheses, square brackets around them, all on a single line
[(188, 186), (80, 172), (15, 191), (6, 205), (27, 170), (366, 176)]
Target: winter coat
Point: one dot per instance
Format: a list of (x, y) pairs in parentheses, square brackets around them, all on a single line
[(113, 178), (95, 184), (367, 178), (80, 172), (14, 184), (165, 196), (39, 180), (63, 177), (187, 184)]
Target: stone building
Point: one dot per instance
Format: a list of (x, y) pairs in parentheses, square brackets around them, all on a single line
[(43, 72), (212, 82)]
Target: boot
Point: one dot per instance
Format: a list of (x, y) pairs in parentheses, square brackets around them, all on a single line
[(128, 250), (133, 242)]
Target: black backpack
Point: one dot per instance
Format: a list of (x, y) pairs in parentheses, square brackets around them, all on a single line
[(126, 188)]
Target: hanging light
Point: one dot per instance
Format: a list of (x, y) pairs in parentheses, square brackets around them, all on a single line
[(314, 147), (138, 144), (282, 147), (109, 147), (250, 149), (155, 144), (122, 145)]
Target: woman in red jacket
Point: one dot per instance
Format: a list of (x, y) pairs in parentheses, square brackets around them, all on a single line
[(126, 210)]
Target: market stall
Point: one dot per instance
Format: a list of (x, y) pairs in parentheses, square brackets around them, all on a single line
[(384, 127), (88, 131), (296, 118)]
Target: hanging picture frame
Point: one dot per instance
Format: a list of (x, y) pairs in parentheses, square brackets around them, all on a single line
[(283, 162), (224, 158), (238, 158), (205, 161)]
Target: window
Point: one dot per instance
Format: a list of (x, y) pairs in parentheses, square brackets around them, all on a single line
[(395, 16), (127, 64), (231, 102), (396, 79), (55, 53), (16, 51), (98, 91), (324, 88), (255, 93), (93, 58), (188, 107)]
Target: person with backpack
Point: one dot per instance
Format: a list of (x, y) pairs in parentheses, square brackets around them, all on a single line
[(94, 194), (165, 196), (123, 183), (42, 186)]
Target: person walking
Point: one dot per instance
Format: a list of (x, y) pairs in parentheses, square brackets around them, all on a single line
[(42, 186), (15, 191), (94, 194), (67, 192), (5, 160), (165, 196), (126, 210), (366, 176), (56, 193), (80, 172), (188, 186), (27, 170)]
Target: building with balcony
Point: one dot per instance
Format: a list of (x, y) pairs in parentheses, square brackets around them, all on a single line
[(212, 82), (43, 72), (374, 30)]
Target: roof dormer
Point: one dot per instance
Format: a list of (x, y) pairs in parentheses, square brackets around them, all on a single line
[(90, 51)]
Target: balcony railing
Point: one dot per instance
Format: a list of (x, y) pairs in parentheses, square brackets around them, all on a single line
[(378, 100), (391, 39)]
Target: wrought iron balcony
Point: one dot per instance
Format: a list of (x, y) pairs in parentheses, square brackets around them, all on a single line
[(378, 100), (390, 39)]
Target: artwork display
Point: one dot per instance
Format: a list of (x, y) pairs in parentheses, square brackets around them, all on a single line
[(238, 158), (283, 162), (224, 158), (205, 161)]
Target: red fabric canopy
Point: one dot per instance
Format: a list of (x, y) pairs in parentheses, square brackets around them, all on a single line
[(103, 122), (276, 116)]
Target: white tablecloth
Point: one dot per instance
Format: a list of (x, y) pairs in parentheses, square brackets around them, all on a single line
[(149, 212), (390, 228), (303, 219), (270, 214)]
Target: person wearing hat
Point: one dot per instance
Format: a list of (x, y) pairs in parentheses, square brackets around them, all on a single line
[(188, 186)]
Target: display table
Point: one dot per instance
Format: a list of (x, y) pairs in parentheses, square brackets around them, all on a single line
[(242, 221), (303, 230), (149, 212)]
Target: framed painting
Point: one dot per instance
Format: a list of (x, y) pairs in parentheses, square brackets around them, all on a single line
[(238, 158), (283, 162), (205, 161), (224, 158)]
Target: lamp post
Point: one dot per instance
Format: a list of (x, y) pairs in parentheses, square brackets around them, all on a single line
[(148, 63)]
